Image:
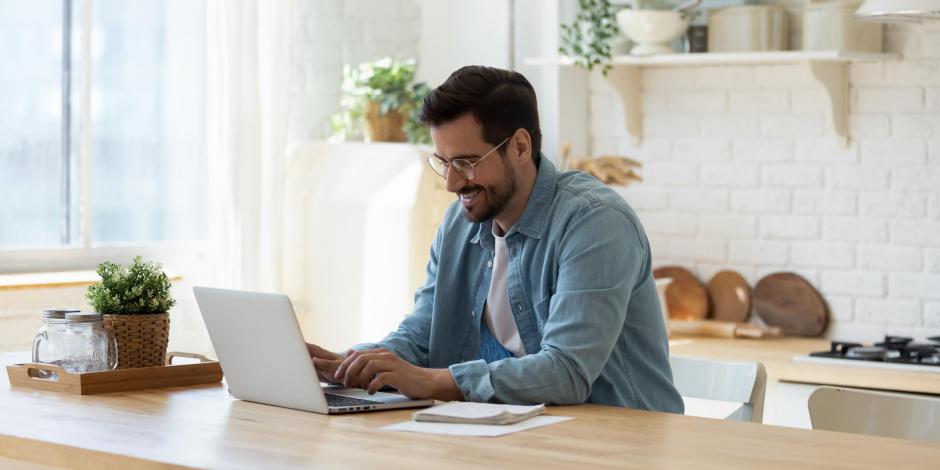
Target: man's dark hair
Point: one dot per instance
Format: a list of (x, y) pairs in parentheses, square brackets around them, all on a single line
[(500, 100)]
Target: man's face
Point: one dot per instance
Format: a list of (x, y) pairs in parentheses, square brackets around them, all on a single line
[(494, 181)]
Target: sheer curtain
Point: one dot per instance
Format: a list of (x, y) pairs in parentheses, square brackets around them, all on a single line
[(248, 102)]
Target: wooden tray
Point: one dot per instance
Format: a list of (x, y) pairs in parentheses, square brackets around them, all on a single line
[(30, 375)]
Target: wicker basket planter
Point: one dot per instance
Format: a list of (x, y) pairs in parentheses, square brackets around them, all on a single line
[(141, 339), (388, 127)]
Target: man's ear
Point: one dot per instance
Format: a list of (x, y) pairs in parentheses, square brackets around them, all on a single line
[(522, 144)]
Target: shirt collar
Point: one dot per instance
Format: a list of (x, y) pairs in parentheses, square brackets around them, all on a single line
[(535, 215)]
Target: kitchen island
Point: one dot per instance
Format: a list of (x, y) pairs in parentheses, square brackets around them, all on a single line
[(777, 356), (789, 383)]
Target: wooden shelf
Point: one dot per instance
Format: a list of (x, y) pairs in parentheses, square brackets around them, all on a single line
[(828, 68), (730, 58)]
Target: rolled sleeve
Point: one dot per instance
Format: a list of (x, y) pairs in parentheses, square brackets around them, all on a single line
[(473, 380)]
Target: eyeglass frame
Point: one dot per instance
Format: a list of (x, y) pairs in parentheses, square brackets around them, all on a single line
[(472, 169)]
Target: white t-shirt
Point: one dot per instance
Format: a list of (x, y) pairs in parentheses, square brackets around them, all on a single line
[(497, 312)]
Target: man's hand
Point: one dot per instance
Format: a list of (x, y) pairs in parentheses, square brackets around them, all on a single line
[(375, 368), (326, 362)]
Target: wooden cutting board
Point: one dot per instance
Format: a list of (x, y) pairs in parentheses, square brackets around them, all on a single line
[(729, 295), (721, 329), (685, 296), (789, 301)]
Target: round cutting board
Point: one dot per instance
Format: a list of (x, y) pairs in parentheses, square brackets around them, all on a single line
[(729, 295), (685, 296), (789, 301)]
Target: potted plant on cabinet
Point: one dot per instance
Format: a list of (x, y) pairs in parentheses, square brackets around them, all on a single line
[(134, 301), (380, 101)]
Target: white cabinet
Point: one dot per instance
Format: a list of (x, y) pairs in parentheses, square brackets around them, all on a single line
[(785, 404), (359, 221)]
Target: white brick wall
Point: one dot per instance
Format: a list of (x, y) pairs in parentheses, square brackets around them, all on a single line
[(756, 180), (330, 33)]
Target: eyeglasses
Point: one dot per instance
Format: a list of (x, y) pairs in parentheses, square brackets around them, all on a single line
[(464, 166)]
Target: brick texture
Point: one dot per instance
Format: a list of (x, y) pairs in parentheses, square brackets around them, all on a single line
[(757, 182)]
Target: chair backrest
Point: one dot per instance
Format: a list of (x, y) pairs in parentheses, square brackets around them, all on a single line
[(738, 382), (876, 413)]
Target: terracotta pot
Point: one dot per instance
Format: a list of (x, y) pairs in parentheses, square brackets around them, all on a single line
[(388, 127)]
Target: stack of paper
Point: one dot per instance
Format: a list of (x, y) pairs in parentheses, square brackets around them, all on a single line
[(478, 413)]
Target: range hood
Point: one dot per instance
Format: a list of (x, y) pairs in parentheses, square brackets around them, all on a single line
[(898, 10)]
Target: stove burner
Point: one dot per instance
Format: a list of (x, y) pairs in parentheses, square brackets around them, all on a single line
[(894, 341), (841, 347), (894, 349), (867, 352)]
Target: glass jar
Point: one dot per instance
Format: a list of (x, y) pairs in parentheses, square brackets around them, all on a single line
[(90, 347), (48, 345)]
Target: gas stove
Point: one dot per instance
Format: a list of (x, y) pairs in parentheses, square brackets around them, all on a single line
[(895, 352)]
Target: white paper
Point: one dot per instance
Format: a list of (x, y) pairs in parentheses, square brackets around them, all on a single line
[(483, 430), (482, 413)]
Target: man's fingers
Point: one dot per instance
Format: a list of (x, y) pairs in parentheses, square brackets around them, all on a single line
[(317, 351), (371, 365), (380, 380), (351, 359), (344, 365), (353, 367), (371, 370), (325, 365)]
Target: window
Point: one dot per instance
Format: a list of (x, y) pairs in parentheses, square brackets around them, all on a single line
[(103, 139)]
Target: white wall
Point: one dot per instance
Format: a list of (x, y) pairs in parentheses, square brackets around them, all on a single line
[(459, 32), (742, 171)]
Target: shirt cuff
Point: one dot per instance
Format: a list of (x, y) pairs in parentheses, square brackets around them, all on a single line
[(473, 380)]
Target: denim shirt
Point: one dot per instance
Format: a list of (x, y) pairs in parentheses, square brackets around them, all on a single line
[(581, 291)]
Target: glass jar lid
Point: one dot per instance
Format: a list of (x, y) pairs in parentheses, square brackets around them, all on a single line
[(58, 312), (83, 317)]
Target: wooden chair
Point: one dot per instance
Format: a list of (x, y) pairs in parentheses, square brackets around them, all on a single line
[(877, 413), (741, 383)]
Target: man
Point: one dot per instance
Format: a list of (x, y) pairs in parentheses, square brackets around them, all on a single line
[(539, 286)]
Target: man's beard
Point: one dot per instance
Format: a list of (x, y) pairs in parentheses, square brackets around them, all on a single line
[(497, 196)]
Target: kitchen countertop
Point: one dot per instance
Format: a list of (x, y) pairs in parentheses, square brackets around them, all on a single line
[(202, 426), (777, 356)]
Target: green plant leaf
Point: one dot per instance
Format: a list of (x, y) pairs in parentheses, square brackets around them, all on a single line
[(387, 82), (587, 39), (139, 289)]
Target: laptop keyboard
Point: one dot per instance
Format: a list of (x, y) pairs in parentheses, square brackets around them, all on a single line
[(339, 400)]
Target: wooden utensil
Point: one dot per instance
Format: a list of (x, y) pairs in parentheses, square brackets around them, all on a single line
[(721, 329), (789, 301), (685, 297), (729, 295)]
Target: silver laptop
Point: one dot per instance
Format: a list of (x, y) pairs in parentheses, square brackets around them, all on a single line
[(265, 360)]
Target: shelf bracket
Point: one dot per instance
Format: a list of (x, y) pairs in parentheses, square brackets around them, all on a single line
[(833, 77), (626, 80)]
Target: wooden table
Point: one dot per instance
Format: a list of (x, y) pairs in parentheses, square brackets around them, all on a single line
[(777, 356), (203, 427)]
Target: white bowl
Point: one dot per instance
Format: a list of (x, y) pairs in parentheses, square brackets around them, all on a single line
[(652, 30)]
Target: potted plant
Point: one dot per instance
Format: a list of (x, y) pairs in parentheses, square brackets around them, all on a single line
[(134, 302), (587, 39), (380, 101)]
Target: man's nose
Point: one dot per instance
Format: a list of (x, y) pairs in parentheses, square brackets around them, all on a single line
[(455, 179)]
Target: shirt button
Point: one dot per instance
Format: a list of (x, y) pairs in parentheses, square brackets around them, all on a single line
[(473, 313), (489, 264)]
